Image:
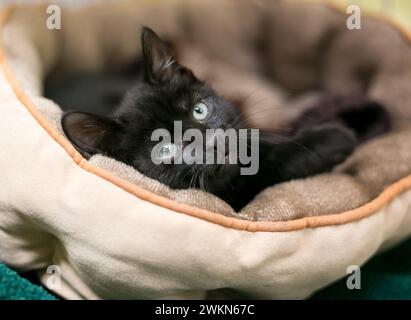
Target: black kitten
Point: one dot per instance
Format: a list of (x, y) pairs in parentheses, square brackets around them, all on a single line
[(169, 92)]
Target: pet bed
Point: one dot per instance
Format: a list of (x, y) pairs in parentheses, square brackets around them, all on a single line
[(114, 233)]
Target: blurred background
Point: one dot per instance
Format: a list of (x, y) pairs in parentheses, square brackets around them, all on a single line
[(399, 9)]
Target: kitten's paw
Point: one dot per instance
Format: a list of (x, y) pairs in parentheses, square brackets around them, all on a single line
[(339, 143), (332, 143)]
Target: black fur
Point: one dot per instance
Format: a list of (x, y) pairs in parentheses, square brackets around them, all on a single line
[(167, 92)]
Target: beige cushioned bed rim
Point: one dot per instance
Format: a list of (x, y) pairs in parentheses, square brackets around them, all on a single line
[(253, 226)]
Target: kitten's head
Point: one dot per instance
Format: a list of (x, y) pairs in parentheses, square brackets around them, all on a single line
[(169, 92)]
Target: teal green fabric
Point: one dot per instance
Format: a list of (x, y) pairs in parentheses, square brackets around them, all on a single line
[(15, 287), (385, 277)]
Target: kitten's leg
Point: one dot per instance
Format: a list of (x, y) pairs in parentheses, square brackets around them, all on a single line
[(311, 152)]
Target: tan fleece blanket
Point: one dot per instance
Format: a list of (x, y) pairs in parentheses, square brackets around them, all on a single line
[(305, 48)]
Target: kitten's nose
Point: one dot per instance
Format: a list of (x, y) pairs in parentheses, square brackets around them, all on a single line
[(213, 141), (220, 144), (218, 147)]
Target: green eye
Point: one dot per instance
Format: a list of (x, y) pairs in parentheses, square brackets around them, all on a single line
[(200, 111), (167, 151)]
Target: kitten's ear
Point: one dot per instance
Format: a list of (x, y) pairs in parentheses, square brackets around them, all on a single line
[(89, 133), (160, 64)]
